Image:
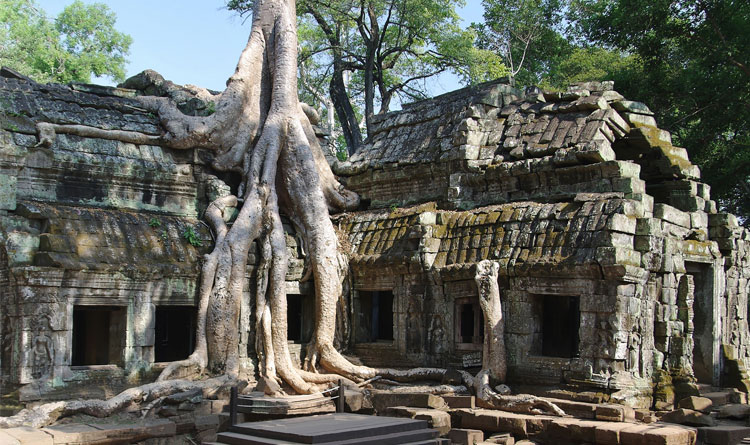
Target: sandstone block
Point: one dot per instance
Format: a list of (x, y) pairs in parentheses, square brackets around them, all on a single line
[(437, 419), (465, 436), (609, 433), (29, 436), (695, 403), (6, 439), (684, 416), (382, 401), (723, 434), (657, 434), (460, 401), (734, 411)]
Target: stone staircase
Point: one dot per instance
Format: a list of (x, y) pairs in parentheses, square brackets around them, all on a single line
[(332, 429)]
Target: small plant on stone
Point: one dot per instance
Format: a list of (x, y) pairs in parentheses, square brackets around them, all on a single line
[(210, 108), (153, 222), (192, 237)]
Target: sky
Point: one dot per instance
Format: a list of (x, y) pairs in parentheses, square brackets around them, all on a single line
[(198, 41)]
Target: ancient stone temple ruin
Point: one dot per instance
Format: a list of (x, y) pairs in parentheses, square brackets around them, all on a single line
[(617, 272)]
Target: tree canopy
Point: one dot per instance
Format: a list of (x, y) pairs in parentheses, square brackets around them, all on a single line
[(372, 52), (80, 42), (695, 75)]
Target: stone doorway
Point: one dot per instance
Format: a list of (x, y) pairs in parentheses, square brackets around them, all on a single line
[(174, 332), (98, 335), (375, 320), (706, 338)]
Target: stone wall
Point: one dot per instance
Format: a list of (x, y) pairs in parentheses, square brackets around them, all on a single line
[(89, 224), (577, 194)]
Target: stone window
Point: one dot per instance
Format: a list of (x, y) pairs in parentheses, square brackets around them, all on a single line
[(174, 336), (557, 321), (375, 316), (300, 318), (98, 335), (469, 324)]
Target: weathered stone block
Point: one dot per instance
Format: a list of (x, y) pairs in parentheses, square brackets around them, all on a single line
[(672, 215), (462, 436), (622, 223)]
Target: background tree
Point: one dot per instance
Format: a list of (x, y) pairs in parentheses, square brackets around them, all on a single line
[(370, 52), (695, 75), (526, 34), (79, 43)]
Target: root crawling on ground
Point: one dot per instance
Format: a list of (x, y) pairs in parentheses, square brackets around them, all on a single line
[(48, 413)]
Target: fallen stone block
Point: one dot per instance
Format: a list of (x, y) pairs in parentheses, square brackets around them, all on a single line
[(581, 410), (684, 416), (465, 436), (437, 419), (382, 401), (734, 411), (571, 430), (722, 434), (519, 425), (614, 413), (454, 402), (29, 436), (6, 439), (141, 431), (609, 433), (657, 434), (501, 439), (702, 404), (206, 422), (75, 433)]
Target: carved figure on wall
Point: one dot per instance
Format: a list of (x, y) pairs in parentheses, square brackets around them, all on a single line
[(437, 335), (43, 350), (413, 327)]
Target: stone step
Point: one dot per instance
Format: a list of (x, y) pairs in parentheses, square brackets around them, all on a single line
[(328, 428), (600, 411), (438, 419), (384, 400), (409, 437), (723, 435), (562, 429)]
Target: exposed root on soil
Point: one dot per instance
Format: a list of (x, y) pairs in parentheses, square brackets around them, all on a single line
[(48, 413)]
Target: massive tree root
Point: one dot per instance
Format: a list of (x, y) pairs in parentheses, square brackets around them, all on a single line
[(46, 414)]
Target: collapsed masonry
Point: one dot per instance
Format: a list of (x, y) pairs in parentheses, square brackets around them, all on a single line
[(618, 274)]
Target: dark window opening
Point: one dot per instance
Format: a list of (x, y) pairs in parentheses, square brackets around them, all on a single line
[(175, 333), (98, 335), (375, 321), (561, 320), (299, 316), (469, 323)]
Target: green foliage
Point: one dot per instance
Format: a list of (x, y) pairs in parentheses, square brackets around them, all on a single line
[(695, 75), (210, 108), (526, 35), (154, 222), (79, 43), (191, 237)]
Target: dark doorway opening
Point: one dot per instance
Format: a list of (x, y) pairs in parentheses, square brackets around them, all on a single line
[(469, 323), (375, 316), (705, 341), (561, 320), (175, 333), (98, 335), (299, 315)]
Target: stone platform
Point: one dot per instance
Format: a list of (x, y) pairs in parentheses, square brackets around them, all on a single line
[(333, 429)]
